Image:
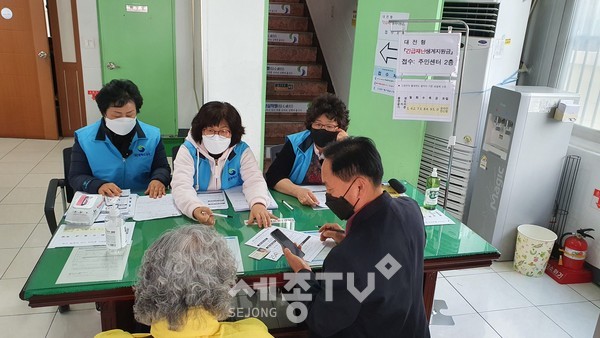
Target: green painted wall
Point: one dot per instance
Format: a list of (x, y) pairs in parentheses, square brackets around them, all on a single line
[(143, 46), (399, 142)]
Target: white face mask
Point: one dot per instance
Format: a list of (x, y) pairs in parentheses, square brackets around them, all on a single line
[(216, 144), (121, 126)]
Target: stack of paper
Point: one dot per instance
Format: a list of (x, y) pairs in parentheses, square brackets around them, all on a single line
[(319, 192), (148, 208), (91, 235), (435, 217), (239, 202), (215, 200)]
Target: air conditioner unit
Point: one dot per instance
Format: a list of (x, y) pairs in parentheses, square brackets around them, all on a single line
[(496, 35)]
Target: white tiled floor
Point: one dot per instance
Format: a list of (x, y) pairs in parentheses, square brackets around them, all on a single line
[(484, 302)]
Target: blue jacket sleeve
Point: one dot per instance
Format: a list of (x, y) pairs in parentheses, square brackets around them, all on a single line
[(80, 175)]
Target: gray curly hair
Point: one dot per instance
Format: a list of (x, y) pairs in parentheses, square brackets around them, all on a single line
[(185, 268)]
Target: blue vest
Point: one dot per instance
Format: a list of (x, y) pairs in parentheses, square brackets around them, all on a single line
[(230, 175), (108, 164), (303, 147)]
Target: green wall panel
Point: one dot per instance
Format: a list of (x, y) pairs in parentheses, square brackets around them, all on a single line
[(399, 142)]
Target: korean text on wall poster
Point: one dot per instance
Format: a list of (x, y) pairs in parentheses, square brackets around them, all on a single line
[(429, 54), (431, 100)]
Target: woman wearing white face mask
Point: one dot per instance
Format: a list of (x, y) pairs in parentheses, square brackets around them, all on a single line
[(214, 157), (118, 151)]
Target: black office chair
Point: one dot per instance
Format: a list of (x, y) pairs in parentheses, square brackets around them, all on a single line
[(274, 150), (66, 192)]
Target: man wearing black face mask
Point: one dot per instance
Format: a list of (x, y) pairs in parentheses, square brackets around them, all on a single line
[(299, 161), (380, 253)]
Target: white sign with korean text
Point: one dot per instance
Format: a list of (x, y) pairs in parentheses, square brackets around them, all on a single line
[(386, 54), (425, 100), (428, 54)]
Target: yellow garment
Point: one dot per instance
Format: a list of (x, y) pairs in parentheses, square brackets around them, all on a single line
[(199, 324)]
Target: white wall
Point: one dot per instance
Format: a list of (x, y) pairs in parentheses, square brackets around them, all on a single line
[(584, 212), (234, 47), (333, 23), (87, 17)]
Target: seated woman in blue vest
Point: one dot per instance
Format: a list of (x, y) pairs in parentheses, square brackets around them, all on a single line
[(299, 161), (214, 157), (118, 151)]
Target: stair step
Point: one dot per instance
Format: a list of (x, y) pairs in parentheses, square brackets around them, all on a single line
[(290, 38), (283, 8), (291, 54), (294, 70), (294, 88), (285, 117), (288, 23), (275, 132), (286, 106)]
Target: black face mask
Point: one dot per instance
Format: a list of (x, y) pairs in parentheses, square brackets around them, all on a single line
[(340, 206), (323, 137)]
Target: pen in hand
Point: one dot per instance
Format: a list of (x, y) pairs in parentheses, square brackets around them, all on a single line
[(341, 231)]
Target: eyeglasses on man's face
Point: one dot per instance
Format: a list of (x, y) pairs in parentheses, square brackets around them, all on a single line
[(328, 127), (216, 131)]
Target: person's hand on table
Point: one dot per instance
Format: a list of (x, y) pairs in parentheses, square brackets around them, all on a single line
[(110, 190), (156, 189), (342, 134), (260, 215), (306, 197), (295, 262), (326, 232), (204, 215)]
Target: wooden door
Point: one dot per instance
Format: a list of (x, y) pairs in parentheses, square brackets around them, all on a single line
[(26, 92), (67, 65)]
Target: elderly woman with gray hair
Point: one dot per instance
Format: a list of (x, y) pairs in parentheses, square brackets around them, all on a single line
[(183, 288)]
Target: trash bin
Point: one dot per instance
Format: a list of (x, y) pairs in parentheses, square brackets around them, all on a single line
[(533, 248)]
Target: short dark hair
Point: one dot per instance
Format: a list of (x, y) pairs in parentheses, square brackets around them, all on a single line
[(211, 114), (332, 107), (118, 93), (354, 156)]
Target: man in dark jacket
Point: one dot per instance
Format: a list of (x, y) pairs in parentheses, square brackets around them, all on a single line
[(375, 273)]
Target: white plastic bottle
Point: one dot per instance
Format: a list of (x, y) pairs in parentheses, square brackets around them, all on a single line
[(432, 190), (115, 234)]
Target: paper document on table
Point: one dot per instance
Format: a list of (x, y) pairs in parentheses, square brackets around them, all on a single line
[(154, 208), (125, 203), (239, 202), (234, 245), (329, 244), (89, 235), (215, 200), (435, 217), (311, 245), (93, 264), (319, 192)]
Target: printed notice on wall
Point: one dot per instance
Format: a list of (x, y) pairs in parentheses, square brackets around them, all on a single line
[(425, 100), (428, 54), (386, 54)]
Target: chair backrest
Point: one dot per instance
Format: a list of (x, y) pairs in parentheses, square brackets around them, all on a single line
[(174, 151), (274, 151), (66, 168)]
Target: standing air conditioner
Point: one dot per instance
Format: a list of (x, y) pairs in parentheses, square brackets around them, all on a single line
[(496, 35)]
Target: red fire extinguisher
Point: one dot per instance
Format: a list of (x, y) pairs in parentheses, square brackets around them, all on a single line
[(575, 248)]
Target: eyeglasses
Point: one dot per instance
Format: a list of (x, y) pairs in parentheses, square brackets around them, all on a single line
[(213, 132), (317, 125)]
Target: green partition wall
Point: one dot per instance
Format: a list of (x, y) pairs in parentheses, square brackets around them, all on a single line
[(399, 142)]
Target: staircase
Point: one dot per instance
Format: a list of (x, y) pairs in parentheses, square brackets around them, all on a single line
[(294, 76)]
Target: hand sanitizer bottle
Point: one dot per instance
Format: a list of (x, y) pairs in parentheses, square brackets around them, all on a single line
[(115, 239), (432, 190)]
